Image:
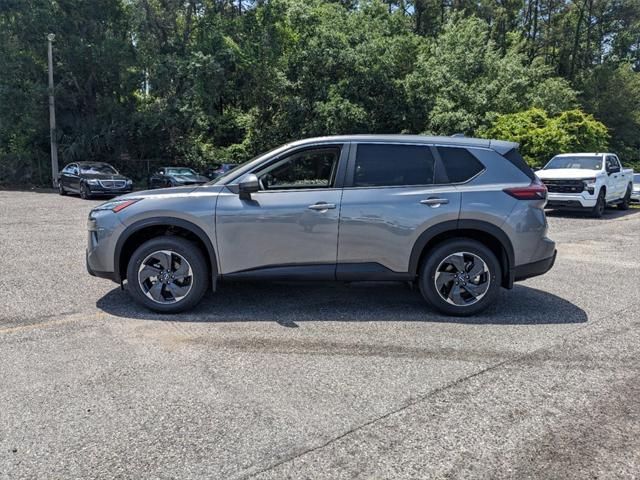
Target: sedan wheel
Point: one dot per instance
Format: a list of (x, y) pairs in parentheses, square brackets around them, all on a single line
[(85, 193)]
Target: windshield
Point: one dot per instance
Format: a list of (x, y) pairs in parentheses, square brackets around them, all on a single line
[(180, 171), (575, 162), (98, 168)]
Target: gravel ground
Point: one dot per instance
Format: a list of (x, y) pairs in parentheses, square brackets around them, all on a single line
[(316, 381)]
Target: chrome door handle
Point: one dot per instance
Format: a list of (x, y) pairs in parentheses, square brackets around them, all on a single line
[(434, 202), (322, 206)]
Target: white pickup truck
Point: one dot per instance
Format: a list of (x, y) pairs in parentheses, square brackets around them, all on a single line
[(587, 181)]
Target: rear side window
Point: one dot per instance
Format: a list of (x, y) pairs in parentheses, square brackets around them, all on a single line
[(459, 164), (379, 165), (516, 159)]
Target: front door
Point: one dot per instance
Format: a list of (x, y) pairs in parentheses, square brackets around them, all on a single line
[(291, 223), (71, 177)]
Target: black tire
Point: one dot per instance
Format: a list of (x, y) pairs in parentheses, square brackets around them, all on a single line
[(624, 205), (598, 209), (85, 193), (435, 257), (194, 256), (61, 189)]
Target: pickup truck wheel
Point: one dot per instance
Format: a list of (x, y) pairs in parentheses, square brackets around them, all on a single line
[(167, 274), (460, 277), (598, 209), (624, 204)]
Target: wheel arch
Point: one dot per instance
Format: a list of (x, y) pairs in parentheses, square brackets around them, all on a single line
[(488, 234), (139, 232)]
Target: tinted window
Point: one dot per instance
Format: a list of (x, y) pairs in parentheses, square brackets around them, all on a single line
[(459, 164), (307, 169), (392, 165)]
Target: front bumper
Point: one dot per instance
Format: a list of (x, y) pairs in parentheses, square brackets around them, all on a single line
[(98, 273), (100, 190), (569, 200), (528, 270)]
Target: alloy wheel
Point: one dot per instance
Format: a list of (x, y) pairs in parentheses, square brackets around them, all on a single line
[(165, 277), (462, 279)]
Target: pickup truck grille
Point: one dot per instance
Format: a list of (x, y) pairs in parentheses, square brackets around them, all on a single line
[(564, 186), (113, 184)]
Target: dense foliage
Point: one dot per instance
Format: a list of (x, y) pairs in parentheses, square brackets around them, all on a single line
[(541, 136), (202, 81)]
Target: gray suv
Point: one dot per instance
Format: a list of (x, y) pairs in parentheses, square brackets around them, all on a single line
[(461, 217)]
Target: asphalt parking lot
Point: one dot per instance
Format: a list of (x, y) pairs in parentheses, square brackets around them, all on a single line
[(316, 381)]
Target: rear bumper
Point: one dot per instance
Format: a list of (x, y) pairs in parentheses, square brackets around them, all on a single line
[(534, 269)]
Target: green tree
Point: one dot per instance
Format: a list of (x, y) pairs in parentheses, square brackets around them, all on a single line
[(542, 136)]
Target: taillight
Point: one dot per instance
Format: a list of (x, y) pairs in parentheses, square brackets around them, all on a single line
[(536, 191)]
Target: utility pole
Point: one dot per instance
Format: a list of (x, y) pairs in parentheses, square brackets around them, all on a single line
[(52, 116)]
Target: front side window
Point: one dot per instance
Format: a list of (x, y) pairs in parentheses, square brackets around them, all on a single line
[(379, 165), (315, 168)]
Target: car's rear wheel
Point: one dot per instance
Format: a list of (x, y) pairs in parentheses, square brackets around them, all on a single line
[(460, 277), (167, 274), (624, 205), (598, 209)]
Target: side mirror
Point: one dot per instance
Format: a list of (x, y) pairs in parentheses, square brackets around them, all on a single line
[(248, 185), (161, 172)]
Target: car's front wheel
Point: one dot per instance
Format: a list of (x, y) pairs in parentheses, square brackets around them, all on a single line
[(167, 274), (85, 193), (460, 277), (601, 203), (61, 189)]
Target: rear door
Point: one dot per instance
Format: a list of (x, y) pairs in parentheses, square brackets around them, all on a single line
[(616, 179), (390, 197)]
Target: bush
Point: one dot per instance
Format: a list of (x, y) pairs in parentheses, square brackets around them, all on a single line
[(541, 136)]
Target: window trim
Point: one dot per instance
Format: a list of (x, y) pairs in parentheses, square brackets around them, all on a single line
[(438, 165), (339, 178)]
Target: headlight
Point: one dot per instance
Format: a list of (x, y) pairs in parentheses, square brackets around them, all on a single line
[(590, 185), (116, 205), (92, 181), (129, 182)]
